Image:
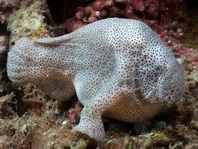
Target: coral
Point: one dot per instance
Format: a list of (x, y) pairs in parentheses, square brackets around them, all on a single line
[(29, 21), (132, 96), (151, 12)]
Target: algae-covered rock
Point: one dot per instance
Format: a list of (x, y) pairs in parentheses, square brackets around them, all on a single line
[(80, 145), (152, 139), (29, 21)]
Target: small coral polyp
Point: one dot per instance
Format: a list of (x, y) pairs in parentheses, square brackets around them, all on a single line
[(118, 68)]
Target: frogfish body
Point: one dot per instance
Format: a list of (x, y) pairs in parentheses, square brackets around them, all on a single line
[(118, 68)]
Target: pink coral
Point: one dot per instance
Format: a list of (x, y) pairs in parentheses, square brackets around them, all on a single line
[(79, 14), (138, 5), (73, 24), (151, 12), (88, 10), (98, 5)]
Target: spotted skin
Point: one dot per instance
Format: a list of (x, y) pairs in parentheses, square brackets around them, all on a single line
[(118, 68)]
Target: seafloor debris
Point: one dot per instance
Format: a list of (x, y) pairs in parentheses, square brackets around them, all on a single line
[(145, 141)]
